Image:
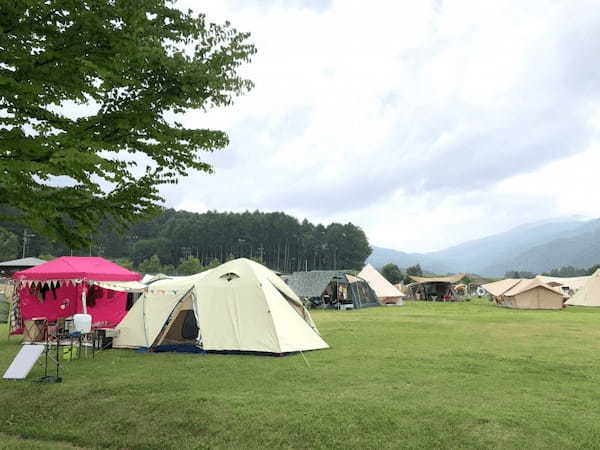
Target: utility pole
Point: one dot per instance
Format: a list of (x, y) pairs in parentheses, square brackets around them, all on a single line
[(334, 258), (26, 236), (278, 250), (260, 252)]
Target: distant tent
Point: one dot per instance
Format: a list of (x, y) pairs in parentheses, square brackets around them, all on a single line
[(385, 291), (461, 289), (569, 285), (449, 279), (531, 294), (238, 306), (4, 308), (149, 278), (7, 268), (332, 289), (589, 294), (435, 288), (497, 288)]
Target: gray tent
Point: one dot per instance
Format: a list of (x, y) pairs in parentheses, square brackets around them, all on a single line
[(4, 308), (7, 268), (332, 289)]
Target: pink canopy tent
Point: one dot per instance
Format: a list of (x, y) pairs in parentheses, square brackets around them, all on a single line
[(66, 286), (78, 268)]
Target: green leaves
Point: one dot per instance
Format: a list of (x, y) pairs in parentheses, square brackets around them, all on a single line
[(130, 63), (392, 273), (8, 245), (189, 266)]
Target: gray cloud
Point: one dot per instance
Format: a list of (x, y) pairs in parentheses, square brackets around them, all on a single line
[(318, 6), (544, 119), (438, 103)]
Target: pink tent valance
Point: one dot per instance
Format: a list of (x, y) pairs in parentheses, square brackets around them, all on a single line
[(78, 268)]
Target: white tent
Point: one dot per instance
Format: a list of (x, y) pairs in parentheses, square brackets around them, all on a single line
[(386, 292), (568, 285), (589, 294), (238, 306)]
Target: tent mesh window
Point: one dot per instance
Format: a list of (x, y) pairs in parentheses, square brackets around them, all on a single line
[(362, 294)]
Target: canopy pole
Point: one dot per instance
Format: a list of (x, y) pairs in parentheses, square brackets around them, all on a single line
[(83, 296), (144, 318)]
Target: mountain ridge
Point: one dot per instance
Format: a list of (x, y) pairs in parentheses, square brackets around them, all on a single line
[(534, 247)]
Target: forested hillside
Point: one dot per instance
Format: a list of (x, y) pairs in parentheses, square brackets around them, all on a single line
[(534, 248), (278, 240), (579, 248)]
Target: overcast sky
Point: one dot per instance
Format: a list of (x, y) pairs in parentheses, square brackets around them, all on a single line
[(427, 123)]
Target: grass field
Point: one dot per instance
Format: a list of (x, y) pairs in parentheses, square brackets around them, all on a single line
[(465, 375)]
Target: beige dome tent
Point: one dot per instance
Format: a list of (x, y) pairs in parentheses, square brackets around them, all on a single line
[(589, 294), (531, 294), (238, 306), (386, 292)]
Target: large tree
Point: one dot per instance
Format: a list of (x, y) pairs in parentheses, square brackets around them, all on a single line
[(189, 266), (151, 265), (392, 273), (8, 245), (90, 94), (413, 270)]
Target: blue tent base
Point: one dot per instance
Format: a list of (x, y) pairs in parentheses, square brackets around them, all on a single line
[(190, 348), (247, 352), (181, 348)]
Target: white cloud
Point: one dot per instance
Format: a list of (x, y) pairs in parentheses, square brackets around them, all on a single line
[(425, 123), (570, 184)]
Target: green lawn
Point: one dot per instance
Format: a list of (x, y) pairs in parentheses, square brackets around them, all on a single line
[(466, 375)]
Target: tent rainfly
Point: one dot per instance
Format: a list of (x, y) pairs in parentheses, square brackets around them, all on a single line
[(531, 294), (589, 294), (386, 292), (69, 285), (238, 306)]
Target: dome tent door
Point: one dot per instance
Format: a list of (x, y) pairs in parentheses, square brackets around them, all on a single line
[(181, 328)]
